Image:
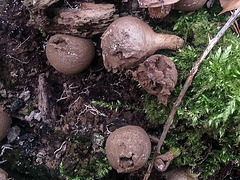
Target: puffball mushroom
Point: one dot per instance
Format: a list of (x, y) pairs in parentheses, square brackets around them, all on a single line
[(5, 122), (3, 175), (69, 54), (189, 5), (128, 41), (128, 148), (158, 76)]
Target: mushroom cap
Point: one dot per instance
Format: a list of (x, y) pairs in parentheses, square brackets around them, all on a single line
[(155, 3), (128, 148), (69, 54), (158, 76), (189, 5), (5, 123)]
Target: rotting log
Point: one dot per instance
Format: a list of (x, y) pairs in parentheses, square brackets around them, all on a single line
[(84, 20)]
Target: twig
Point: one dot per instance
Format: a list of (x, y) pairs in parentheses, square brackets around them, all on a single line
[(22, 42), (60, 148), (16, 59), (188, 82)]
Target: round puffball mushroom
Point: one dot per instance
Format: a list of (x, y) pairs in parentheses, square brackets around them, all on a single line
[(128, 148), (5, 123), (128, 41), (3, 175), (69, 54), (158, 76)]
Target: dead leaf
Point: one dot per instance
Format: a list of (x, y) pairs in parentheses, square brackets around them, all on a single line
[(229, 5)]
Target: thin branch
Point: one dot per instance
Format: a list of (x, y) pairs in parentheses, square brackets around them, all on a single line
[(187, 84)]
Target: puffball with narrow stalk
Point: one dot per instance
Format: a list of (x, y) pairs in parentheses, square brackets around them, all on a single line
[(5, 123), (128, 41), (69, 54), (128, 148)]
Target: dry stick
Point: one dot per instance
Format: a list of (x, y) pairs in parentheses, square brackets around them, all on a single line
[(188, 82)]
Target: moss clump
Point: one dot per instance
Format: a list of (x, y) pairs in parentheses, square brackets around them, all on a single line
[(208, 120), (20, 165), (81, 164), (155, 112), (199, 27)]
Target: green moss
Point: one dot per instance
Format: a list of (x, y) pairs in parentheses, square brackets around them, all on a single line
[(155, 112), (206, 126), (20, 165), (81, 164), (116, 106), (199, 27)]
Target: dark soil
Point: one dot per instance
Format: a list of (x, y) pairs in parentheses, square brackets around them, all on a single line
[(42, 145)]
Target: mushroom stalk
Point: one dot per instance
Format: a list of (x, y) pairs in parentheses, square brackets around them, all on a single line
[(171, 42)]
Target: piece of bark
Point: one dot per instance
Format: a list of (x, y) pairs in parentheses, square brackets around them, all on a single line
[(43, 100), (86, 20)]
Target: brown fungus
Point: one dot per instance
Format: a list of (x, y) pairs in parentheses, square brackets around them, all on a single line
[(3, 175), (158, 76), (5, 123), (128, 148), (69, 54), (128, 41), (189, 5)]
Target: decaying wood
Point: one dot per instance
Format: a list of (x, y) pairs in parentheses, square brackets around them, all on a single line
[(187, 84), (86, 20), (36, 5), (43, 100)]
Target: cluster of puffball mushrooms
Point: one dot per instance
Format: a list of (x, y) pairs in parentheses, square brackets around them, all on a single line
[(127, 44)]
